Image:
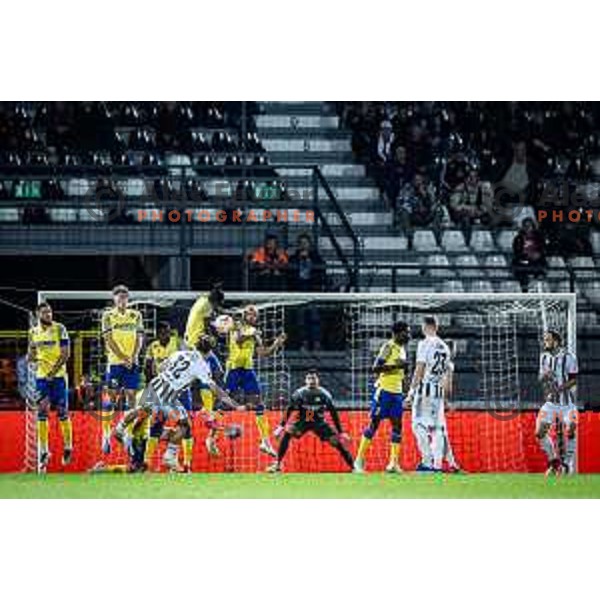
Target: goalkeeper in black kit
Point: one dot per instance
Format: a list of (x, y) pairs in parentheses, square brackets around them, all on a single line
[(306, 412)]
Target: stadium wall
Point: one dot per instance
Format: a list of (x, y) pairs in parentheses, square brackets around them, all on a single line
[(481, 443)]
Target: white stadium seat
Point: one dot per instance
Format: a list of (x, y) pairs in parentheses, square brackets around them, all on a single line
[(595, 239), (481, 286), (452, 286), (454, 241), (482, 241), (510, 286), (439, 260), (584, 267), (424, 241), (470, 261), (496, 266)]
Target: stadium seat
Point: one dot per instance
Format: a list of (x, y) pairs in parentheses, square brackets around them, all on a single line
[(424, 241), (560, 286), (452, 286), (481, 286), (453, 241), (439, 260), (583, 266), (469, 261), (592, 292), (556, 268), (510, 286), (504, 239), (496, 266), (482, 241), (595, 240), (9, 215)]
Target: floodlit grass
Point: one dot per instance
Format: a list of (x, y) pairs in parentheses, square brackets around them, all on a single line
[(297, 485)]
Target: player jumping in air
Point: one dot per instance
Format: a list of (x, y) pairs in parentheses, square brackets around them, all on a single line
[(558, 376), (49, 351), (123, 333), (244, 342), (163, 393), (308, 406), (428, 388), (165, 345), (388, 397), (199, 317)]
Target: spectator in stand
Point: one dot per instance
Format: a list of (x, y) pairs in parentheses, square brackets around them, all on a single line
[(384, 154), (529, 254), (307, 274), (399, 174), (518, 176), (417, 207), (466, 204), (268, 265)]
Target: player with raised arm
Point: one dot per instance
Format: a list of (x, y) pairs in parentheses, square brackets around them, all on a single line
[(200, 313), (426, 395), (244, 342), (49, 350), (388, 396), (307, 407), (558, 376), (123, 334), (163, 393)]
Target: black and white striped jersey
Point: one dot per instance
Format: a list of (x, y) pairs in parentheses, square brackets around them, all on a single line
[(178, 372), (560, 366)]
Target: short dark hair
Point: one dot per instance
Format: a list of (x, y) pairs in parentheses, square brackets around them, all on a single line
[(163, 325), (120, 289), (216, 295), (42, 305), (555, 335), (312, 371), (399, 327), (430, 321)]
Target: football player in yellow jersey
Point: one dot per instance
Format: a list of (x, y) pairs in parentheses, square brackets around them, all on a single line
[(388, 396), (244, 342), (200, 313), (123, 333), (49, 349)]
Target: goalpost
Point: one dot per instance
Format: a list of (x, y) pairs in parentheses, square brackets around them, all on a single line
[(497, 339)]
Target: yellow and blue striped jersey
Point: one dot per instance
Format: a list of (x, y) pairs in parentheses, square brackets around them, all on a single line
[(158, 353), (125, 326), (390, 354), (241, 356), (196, 322), (46, 343)]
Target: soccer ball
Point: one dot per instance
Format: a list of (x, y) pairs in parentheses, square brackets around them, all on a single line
[(223, 324), (233, 432)]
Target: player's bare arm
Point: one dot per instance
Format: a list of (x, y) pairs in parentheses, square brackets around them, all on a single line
[(277, 344)]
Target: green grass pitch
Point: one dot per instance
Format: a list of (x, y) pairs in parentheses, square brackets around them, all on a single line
[(297, 485)]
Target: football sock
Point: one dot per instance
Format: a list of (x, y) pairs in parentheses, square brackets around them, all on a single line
[(422, 437), (66, 428), (448, 452), (42, 431), (151, 445), (548, 447), (365, 442), (263, 427), (187, 444), (394, 453), (345, 455), (571, 446), (283, 446), (106, 416), (438, 447), (171, 452)]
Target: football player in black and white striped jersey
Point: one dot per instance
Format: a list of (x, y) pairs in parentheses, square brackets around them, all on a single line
[(162, 394), (426, 396), (558, 376)]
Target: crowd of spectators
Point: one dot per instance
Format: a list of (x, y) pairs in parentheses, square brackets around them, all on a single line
[(437, 162)]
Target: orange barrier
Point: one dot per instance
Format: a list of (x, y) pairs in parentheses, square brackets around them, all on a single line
[(481, 443)]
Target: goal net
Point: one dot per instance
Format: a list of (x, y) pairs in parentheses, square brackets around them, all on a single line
[(497, 341)]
